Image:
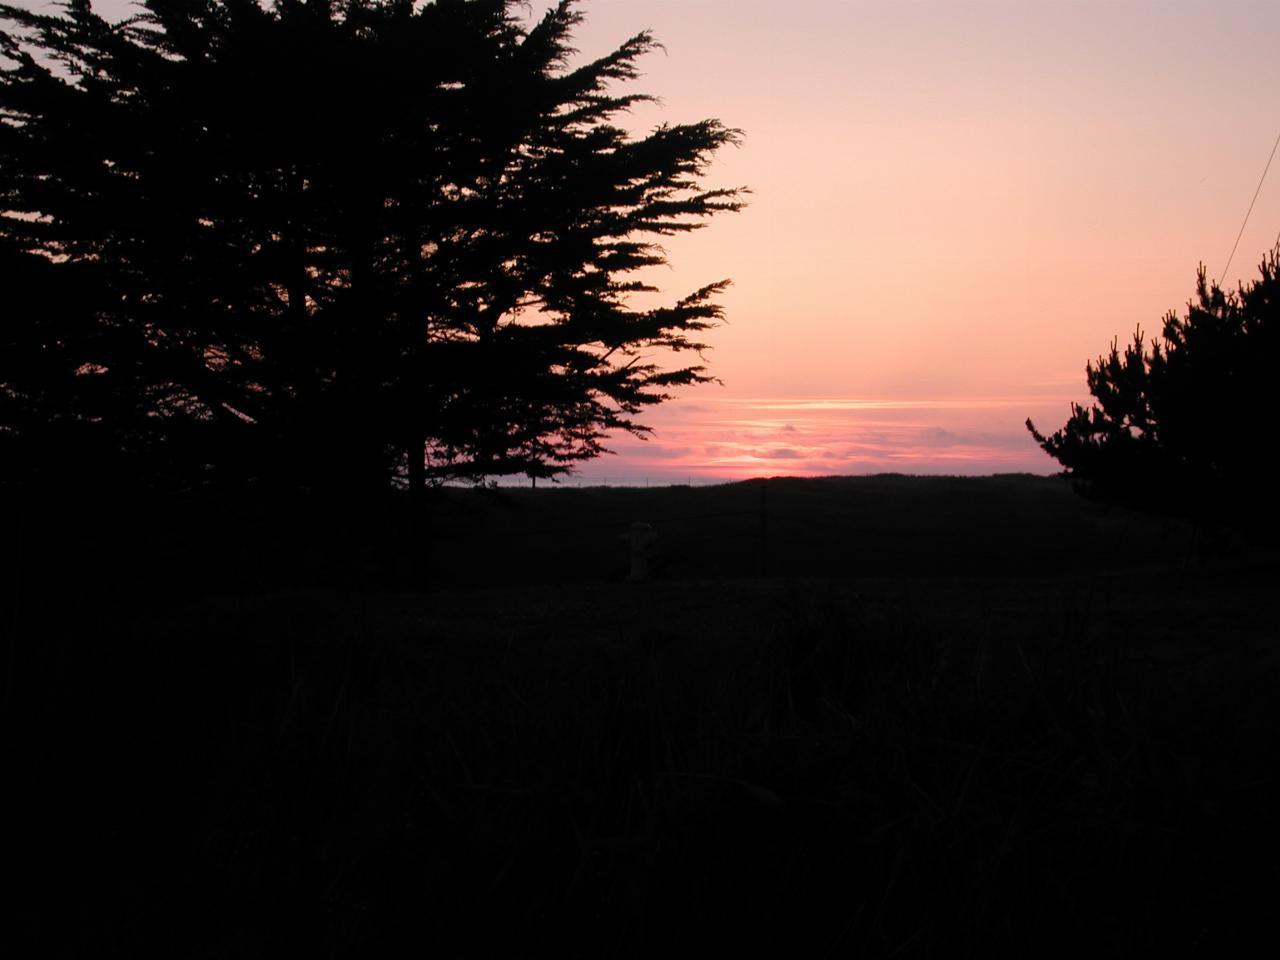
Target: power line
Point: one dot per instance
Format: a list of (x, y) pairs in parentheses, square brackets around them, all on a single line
[(1223, 278)]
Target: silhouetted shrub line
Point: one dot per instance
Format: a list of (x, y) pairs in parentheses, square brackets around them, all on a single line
[(1177, 426), (344, 246)]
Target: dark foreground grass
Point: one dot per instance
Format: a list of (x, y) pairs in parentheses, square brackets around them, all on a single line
[(1076, 765)]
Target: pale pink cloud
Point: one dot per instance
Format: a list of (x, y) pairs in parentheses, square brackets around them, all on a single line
[(737, 438)]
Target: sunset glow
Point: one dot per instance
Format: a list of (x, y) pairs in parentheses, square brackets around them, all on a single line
[(955, 205), (723, 438)]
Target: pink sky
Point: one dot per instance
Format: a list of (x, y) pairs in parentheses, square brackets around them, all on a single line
[(955, 205)]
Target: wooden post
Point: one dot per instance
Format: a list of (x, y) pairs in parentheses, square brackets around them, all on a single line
[(762, 564), (644, 540), (12, 666), (417, 559)]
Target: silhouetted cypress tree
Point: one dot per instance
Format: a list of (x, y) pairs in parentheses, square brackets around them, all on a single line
[(329, 242), (1182, 426)]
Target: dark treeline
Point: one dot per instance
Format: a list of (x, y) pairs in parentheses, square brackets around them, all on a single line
[(140, 553), (1181, 426), (335, 246)]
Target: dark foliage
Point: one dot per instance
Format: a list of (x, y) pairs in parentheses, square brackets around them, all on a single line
[(1180, 426), (331, 243)]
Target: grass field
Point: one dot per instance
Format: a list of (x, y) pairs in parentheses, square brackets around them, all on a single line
[(881, 717)]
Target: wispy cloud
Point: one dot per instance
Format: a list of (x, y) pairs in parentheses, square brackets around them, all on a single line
[(732, 438)]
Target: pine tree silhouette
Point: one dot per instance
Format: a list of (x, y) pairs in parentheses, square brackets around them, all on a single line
[(332, 243), (1180, 426)]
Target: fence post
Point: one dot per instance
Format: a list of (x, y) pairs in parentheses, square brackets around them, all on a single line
[(761, 564), (643, 539)]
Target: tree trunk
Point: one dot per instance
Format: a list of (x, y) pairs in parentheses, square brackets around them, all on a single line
[(419, 547), (417, 471)]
